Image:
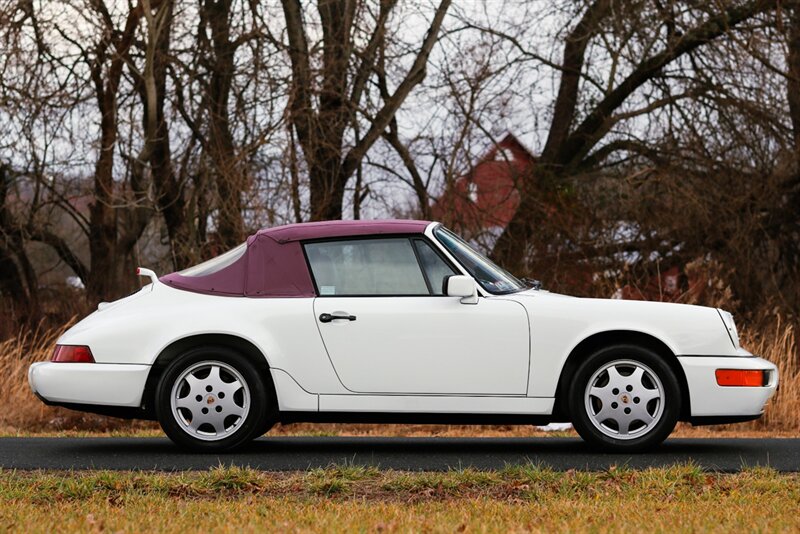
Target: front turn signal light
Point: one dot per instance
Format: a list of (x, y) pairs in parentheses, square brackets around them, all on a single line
[(72, 354), (742, 378)]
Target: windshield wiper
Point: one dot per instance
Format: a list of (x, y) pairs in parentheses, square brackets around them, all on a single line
[(532, 283)]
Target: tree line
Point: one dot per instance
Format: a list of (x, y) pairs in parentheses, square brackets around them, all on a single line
[(165, 132)]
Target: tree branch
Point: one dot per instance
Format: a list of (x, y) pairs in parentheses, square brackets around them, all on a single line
[(414, 76), (585, 135)]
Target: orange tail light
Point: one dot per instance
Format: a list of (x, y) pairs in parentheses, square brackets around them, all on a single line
[(740, 377)]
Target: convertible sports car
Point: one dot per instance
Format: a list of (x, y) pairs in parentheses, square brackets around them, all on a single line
[(395, 321)]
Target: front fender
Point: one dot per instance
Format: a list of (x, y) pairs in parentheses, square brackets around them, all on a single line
[(559, 325)]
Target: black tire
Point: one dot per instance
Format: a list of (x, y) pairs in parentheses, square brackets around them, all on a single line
[(257, 420), (640, 437)]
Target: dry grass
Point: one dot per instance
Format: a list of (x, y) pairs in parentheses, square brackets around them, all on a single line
[(16, 355), (523, 498), (776, 342)]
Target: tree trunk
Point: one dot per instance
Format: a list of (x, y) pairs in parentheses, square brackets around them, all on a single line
[(158, 150), (105, 279), (793, 80), (327, 188), (789, 231), (228, 170), (17, 279)]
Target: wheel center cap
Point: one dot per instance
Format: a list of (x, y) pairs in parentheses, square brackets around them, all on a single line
[(210, 399), (625, 398)]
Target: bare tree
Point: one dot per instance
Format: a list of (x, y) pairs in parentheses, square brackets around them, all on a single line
[(345, 70), (575, 137)]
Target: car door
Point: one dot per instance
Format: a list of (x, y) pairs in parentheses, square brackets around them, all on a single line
[(388, 327)]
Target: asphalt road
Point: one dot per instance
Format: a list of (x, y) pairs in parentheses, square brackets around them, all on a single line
[(413, 454)]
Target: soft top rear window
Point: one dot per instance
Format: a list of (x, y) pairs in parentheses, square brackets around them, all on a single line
[(215, 264)]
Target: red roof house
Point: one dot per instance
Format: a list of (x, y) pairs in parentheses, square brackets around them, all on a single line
[(486, 197)]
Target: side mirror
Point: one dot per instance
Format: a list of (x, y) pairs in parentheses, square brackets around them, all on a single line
[(461, 286)]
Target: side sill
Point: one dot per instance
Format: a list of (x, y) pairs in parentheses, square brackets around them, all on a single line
[(413, 418), (736, 356), (703, 420)]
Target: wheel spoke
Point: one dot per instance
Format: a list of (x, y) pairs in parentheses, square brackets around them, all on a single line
[(646, 395), (197, 421), (603, 393), (614, 378), (217, 420), (232, 409), (188, 402), (606, 412), (640, 413), (219, 426), (624, 424), (229, 388), (213, 376), (194, 384), (636, 376)]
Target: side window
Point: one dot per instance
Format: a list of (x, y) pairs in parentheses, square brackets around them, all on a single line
[(436, 269), (366, 267)]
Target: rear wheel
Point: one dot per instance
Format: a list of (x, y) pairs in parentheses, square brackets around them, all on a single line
[(624, 398), (212, 399)]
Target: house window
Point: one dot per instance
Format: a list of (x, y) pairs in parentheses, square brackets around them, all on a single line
[(504, 154), (472, 192)]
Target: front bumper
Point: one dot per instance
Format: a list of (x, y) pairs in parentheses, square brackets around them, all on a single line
[(103, 384), (710, 401)]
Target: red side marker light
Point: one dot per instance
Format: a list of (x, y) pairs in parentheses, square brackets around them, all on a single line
[(740, 377), (72, 354)]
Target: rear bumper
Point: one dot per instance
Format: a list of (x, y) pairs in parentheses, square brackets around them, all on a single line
[(712, 402), (102, 384)]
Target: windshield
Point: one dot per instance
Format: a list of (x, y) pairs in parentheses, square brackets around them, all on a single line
[(215, 264), (491, 277)]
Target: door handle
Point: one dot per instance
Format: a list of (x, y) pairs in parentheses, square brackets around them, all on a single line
[(327, 318)]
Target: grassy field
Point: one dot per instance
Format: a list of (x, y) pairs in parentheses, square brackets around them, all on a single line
[(355, 499)]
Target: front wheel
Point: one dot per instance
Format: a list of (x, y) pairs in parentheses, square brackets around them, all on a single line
[(211, 400), (624, 399)]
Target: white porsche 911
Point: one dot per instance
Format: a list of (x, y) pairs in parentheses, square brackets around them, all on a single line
[(395, 321)]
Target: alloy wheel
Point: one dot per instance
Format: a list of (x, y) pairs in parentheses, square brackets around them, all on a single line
[(210, 400), (624, 399)]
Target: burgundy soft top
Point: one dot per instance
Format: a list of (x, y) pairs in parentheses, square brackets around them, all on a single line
[(273, 265)]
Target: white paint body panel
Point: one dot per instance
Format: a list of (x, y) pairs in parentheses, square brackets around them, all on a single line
[(427, 345), (85, 383), (283, 329), (406, 354), (709, 399), (293, 398)]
